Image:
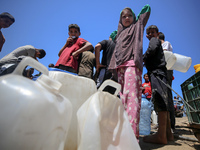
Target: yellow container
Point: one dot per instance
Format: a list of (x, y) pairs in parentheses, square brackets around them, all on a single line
[(196, 66), (197, 70)]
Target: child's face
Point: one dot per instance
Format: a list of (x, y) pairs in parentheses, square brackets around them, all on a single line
[(152, 33), (146, 78), (127, 18), (74, 32)]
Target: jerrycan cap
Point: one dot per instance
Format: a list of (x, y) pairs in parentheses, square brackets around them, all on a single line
[(49, 82)]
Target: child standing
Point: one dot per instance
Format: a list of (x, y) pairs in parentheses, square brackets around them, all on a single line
[(127, 59), (155, 63), (69, 53), (168, 47), (146, 87)]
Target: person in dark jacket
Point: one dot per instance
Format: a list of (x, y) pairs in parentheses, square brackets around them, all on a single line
[(154, 61)]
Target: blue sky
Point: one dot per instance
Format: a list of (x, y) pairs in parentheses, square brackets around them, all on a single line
[(44, 24)]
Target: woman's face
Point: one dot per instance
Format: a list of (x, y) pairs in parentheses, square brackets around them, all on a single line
[(5, 22), (127, 17)]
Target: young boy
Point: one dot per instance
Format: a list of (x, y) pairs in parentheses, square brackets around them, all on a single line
[(9, 62), (168, 47), (155, 63), (102, 71), (69, 53), (146, 87)]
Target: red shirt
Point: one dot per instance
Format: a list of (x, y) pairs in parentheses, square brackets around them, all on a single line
[(147, 86), (66, 57)]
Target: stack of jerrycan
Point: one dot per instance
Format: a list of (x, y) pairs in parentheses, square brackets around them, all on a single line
[(33, 114), (103, 123), (77, 89)]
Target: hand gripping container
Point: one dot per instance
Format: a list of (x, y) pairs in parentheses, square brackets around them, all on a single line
[(77, 89), (33, 115), (103, 123)]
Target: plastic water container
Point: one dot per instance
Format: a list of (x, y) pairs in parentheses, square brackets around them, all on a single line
[(77, 89), (103, 123), (54, 69), (57, 69), (196, 66), (170, 59), (145, 117), (154, 117), (33, 115), (182, 63)]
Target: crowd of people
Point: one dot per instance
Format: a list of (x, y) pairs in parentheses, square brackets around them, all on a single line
[(122, 61)]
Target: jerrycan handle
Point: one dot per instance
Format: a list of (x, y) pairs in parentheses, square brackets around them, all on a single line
[(29, 61), (112, 84)]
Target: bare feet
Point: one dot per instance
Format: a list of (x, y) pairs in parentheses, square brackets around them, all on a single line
[(155, 138)]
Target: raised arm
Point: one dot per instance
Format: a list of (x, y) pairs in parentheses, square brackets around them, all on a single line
[(144, 14)]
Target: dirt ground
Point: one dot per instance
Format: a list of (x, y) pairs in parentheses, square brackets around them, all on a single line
[(184, 138)]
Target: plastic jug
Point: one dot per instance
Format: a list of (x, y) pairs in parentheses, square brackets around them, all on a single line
[(77, 89), (170, 59), (145, 117), (57, 69), (33, 115), (103, 123), (154, 117), (182, 63), (54, 69), (196, 66)]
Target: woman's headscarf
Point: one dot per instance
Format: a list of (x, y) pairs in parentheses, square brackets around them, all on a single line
[(129, 40)]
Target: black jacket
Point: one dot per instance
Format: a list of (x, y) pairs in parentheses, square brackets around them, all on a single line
[(154, 58)]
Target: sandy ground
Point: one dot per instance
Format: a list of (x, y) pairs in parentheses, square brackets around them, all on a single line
[(184, 139)]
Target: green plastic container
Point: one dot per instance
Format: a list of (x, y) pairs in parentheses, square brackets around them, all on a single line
[(191, 93)]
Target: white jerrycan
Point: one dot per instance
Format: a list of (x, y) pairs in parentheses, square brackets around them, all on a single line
[(77, 89), (103, 123), (33, 115), (182, 63), (170, 59)]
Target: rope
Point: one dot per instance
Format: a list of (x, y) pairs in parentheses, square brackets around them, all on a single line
[(176, 94)]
